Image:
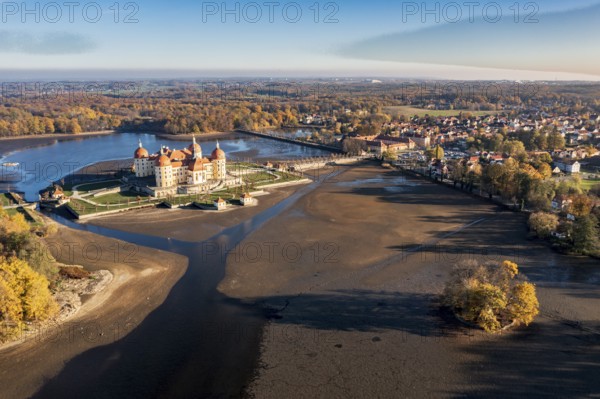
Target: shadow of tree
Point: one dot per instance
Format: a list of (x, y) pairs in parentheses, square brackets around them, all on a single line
[(364, 311), (546, 360)]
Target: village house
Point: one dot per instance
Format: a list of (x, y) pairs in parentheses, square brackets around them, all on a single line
[(568, 166), (561, 203)]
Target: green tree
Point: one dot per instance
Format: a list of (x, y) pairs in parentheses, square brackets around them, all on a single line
[(585, 235), (556, 141), (513, 148), (436, 152)]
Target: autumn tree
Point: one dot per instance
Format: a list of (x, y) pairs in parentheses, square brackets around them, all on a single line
[(543, 224), (24, 297), (545, 170), (491, 295), (581, 205)]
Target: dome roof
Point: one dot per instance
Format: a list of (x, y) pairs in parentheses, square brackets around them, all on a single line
[(218, 154), (141, 153), (163, 160), (196, 147)]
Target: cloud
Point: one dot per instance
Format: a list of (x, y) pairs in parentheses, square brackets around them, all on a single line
[(53, 43), (559, 42)]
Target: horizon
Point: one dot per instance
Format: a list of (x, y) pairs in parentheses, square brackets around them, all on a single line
[(408, 40), (85, 75)]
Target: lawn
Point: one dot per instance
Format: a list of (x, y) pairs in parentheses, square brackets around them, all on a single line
[(259, 177), (99, 185), (242, 165), (5, 200), (420, 112), (84, 208), (120, 198), (588, 184)]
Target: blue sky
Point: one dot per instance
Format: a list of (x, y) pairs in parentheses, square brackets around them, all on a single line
[(348, 38)]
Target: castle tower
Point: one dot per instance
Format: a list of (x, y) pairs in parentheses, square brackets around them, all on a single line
[(219, 161), (141, 161), (195, 149)]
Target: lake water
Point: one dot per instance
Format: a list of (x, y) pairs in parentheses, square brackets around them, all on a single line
[(39, 166)]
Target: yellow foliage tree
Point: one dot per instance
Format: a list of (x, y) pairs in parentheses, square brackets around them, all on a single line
[(13, 224), (24, 296), (490, 296), (524, 305), (511, 268)]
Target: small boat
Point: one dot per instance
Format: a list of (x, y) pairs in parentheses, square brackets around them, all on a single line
[(10, 164)]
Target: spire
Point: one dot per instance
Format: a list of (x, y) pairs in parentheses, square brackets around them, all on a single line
[(140, 143), (195, 154), (218, 145)]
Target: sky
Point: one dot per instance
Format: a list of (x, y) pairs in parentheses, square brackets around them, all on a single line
[(546, 40)]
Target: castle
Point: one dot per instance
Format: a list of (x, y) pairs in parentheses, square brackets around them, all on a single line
[(181, 171)]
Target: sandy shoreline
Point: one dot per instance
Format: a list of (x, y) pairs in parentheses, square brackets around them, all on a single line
[(143, 277)]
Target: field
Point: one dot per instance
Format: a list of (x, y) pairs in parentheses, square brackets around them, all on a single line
[(420, 112), (588, 184)]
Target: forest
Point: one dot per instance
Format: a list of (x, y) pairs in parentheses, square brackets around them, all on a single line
[(183, 107)]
